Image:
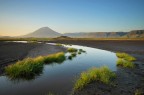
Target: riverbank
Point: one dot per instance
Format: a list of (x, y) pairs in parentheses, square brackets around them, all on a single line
[(128, 81), (11, 52)]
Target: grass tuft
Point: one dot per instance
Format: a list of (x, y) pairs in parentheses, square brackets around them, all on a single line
[(125, 56), (26, 68), (81, 50), (103, 74), (73, 54), (59, 44), (70, 57), (58, 57), (72, 50), (30, 67), (124, 63), (125, 60)]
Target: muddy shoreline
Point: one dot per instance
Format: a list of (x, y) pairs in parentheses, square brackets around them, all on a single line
[(10, 52), (128, 81)]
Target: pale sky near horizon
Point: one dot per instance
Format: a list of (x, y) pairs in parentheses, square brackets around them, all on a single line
[(19, 17)]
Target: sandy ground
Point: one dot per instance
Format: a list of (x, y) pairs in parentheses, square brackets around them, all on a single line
[(11, 52), (128, 80)]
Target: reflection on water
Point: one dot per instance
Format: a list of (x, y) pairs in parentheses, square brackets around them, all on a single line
[(59, 78)]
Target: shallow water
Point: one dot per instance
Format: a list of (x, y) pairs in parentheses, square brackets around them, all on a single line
[(59, 78)]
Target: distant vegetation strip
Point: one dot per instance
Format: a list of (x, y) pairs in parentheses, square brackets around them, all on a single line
[(54, 39)]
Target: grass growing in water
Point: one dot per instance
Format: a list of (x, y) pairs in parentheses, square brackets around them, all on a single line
[(59, 44), (102, 74), (73, 54), (58, 57), (81, 50), (70, 57), (30, 67), (26, 68), (125, 56), (125, 60), (72, 50), (125, 63)]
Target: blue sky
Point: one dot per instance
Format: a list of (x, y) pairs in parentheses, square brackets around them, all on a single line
[(19, 17)]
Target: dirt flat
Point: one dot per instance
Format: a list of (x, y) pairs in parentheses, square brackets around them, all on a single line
[(128, 80)]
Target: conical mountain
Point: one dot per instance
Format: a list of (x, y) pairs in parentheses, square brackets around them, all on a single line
[(44, 32)]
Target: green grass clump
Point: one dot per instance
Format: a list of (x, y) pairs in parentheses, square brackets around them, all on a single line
[(73, 54), (125, 60), (70, 57), (81, 50), (59, 44), (72, 50), (58, 57), (102, 74), (30, 67), (125, 56), (26, 68), (124, 63)]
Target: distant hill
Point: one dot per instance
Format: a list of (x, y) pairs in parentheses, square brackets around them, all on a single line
[(44, 32), (131, 34), (97, 34), (136, 34)]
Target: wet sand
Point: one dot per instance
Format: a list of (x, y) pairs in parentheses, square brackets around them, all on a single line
[(128, 80)]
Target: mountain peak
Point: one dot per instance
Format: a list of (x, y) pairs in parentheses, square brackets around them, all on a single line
[(44, 32), (44, 28)]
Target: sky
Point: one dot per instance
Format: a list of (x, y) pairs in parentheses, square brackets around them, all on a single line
[(19, 17)]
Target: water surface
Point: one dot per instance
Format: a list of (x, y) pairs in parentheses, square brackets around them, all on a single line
[(59, 78)]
